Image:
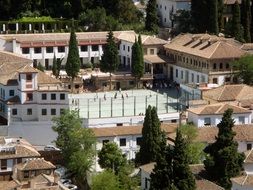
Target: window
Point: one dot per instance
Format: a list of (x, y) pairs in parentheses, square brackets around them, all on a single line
[(192, 77), (165, 7), (28, 77), (105, 141), (43, 96), (207, 121), (173, 121), (214, 66), (215, 81), (128, 48), (14, 111), (221, 66), (44, 112), (53, 96), (249, 146), (164, 19), (25, 50), (19, 160), (152, 51), (197, 78), (49, 49), (26, 174), (122, 142), (241, 119), (37, 50), (131, 82), (177, 73), (53, 111), (4, 164), (227, 66), (227, 79), (138, 141), (33, 173), (124, 47), (29, 111), (94, 48), (119, 124), (182, 74), (29, 97), (61, 49), (62, 96), (11, 92), (84, 48)]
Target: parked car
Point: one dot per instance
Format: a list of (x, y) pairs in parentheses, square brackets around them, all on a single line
[(71, 186), (50, 148), (65, 181), (61, 171)]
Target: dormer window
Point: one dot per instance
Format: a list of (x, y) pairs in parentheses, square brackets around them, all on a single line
[(28, 77)]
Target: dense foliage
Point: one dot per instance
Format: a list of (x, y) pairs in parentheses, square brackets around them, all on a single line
[(224, 162), (151, 22)]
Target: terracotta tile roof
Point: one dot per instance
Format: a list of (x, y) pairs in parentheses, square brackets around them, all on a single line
[(148, 168), (154, 59), (8, 185), (205, 45), (249, 156), (217, 109), (129, 130), (244, 180), (43, 78), (203, 184), (208, 134), (22, 149), (35, 164), (240, 92), (231, 2), (14, 100)]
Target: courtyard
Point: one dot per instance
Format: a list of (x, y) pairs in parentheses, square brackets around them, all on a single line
[(123, 103)]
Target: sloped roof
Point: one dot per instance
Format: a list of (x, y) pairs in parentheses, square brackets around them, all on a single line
[(237, 92), (217, 109), (205, 45), (245, 179), (249, 156), (208, 134), (128, 130), (35, 164)]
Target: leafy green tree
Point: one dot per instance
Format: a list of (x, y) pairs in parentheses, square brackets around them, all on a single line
[(199, 17), (105, 180), (76, 143), (194, 149), (246, 19), (162, 174), (183, 177), (110, 58), (213, 17), (151, 22), (245, 69), (184, 21), (111, 157), (151, 137), (40, 67), (224, 162), (73, 61), (236, 22)]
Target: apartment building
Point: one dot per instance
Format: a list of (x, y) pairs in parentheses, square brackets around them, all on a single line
[(27, 94), (202, 58)]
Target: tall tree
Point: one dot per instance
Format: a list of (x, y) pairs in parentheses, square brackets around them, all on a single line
[(224, 162), (162, 174), (76, 144), (73, 61), (151, 137), (213, 17), (137, 61), (220, 14), (183, 177), (151, 22), (111, 157), (246, 19), (110, 58), (236, 22), (199, 17)]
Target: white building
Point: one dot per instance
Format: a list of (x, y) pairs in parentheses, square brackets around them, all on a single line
[(42, 47), (27, 94), (202, 58), (211, 115), (166, 9), (128, 138)]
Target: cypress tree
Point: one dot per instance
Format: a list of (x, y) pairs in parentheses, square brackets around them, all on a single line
[(220, 14), (151, 22), (251, 21), (213, 17), (151, 137), (110, 58), (246, 20), (73, 60), (224, 162), (137, 60), (183, 177), (200, 19), (236, 24), (162, 174), (54, 67)]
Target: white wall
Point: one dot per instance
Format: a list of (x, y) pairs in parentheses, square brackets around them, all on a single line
[(239, 187)]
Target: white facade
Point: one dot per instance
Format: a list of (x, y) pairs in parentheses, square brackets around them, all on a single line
[(215, 119), (166, 8)]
